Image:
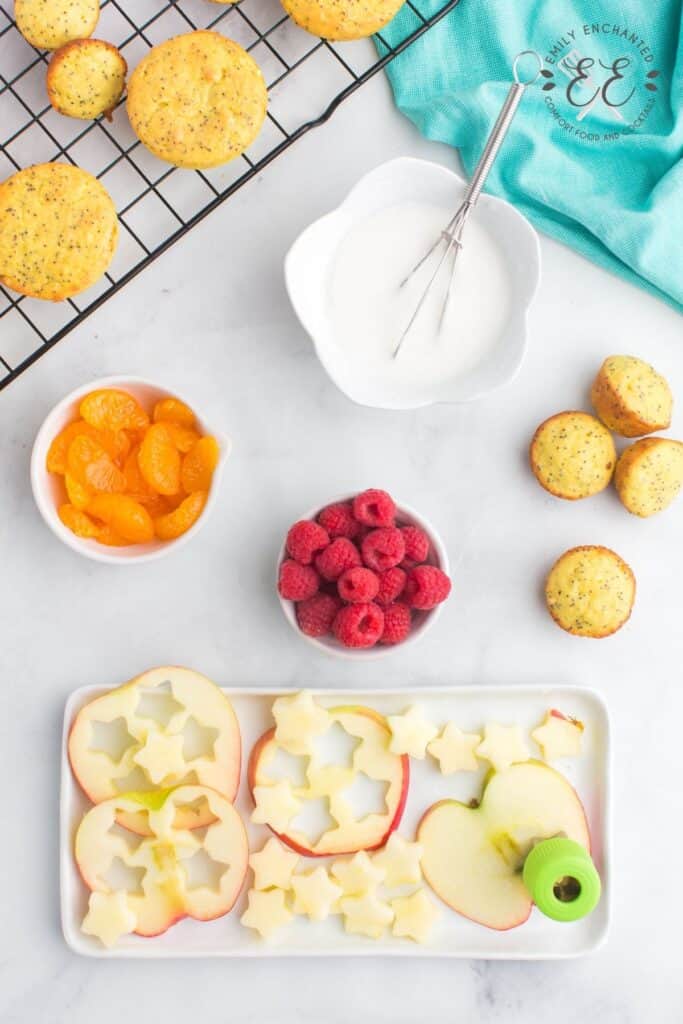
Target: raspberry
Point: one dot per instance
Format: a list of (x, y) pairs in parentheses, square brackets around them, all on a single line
[(342, 554), (397, 623), (374, 508), (316, 615), (383, 549), (304, 539), (358, 584), (338, 520), (359, 625), (297, 582), (417, 545), (391, 584), (426, 587)]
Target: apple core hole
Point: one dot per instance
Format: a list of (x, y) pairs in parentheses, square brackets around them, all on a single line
[(314, 819), (203, 872), (198, 740), (111, 738), (366, 796), (567, 889), (123, 876), (335, 747), (159, 704)]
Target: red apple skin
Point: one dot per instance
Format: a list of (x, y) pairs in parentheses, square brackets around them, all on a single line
[(400, 807)]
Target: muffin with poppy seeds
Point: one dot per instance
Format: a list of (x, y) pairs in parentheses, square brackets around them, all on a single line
[(58, 231), (342, 19), (197, 100)]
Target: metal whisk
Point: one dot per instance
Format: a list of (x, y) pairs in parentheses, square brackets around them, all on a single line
[(453, 232)]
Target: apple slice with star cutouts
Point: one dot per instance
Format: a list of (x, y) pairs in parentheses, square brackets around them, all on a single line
[(473, 856), (173, 872), (167, 727), (280, 804)]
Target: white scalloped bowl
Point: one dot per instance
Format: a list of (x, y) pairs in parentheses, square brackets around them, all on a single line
[(309, 263), (47, 488)]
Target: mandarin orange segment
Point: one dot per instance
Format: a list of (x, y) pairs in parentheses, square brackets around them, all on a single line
[(199, 464), (107, 535), (159, 460), (184, 438), (126, 517), (91, 466), (172, 410), (55, 461), (176, 523), (110, 409), (155, 504), (78, 522), (135, 481), (78, 494)]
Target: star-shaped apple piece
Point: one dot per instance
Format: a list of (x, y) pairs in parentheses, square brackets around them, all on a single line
[(298, 720), (411, 732), (109, 917), (455, 750), (366, 915), (358, 875), (502, 746), (266, 912), (275, 805), (161, 756), (400, 859), (558, 736), (414, 916), (315, 894), (273, 866)]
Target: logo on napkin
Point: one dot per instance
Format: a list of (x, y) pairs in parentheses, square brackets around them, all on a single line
[(600, 80)]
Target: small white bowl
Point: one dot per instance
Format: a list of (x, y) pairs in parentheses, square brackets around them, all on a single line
[(422, 621), (48, 488), (309, 262)]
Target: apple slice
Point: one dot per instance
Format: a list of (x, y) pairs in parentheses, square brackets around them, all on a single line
[(473, 856), (175, 873), (372, 758), (167, 727)]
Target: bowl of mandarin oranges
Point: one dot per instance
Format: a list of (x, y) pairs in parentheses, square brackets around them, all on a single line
[(124, 471)]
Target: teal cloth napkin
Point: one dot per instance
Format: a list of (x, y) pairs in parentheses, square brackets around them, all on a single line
[(595, 153)]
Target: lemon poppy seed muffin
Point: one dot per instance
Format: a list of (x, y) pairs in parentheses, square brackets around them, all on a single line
[(86, 78), (49, 24), (630, 397), (58, 231), (197, 100), (342, 19), (590, 591), (649, 475), (572, 455)]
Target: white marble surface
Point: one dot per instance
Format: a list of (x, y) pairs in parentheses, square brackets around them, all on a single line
[(212, 317)]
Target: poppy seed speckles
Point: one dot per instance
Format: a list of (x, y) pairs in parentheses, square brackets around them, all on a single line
[(58, 231), (197, 100)]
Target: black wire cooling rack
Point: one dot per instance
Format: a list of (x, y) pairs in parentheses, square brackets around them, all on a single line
[(308, 78)]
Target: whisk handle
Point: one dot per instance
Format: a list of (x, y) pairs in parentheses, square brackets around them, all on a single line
[(494, 142)]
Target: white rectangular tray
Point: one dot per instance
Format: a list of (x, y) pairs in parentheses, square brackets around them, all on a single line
[(453, 936)]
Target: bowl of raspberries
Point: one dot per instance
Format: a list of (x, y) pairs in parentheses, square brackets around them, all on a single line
[(362, 575)]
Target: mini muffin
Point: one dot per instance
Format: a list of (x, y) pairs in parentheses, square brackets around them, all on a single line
[(58, 231), (49, 24), (649, 475), (197, 100), (572, 455), (630, 397), (86, 78), (342, 19), (590, 591)]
